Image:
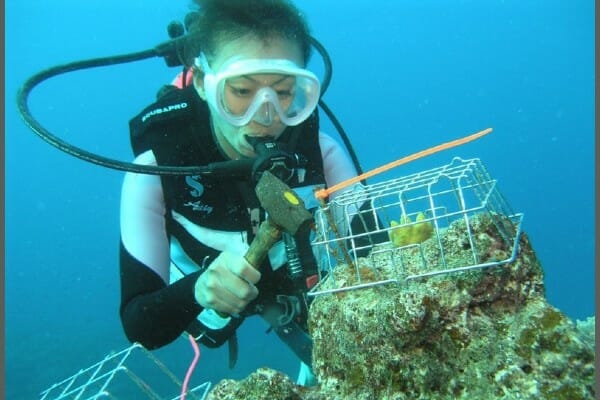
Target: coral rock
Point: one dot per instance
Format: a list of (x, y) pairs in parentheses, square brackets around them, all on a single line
[(262, 384), (481, 334)]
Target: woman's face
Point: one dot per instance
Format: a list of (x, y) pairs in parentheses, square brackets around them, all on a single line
[(240, 91)]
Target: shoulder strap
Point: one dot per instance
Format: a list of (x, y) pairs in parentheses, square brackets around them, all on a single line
[(176, 107)]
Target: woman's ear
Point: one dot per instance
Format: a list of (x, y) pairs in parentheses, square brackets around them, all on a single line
[(199, 82)]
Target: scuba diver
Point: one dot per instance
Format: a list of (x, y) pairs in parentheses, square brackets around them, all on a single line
[(245, 95), (243, 105)]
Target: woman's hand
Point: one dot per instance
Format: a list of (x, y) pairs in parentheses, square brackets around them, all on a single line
[(227, 286)]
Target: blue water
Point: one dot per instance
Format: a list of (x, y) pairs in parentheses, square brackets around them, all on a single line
[(407, 75)]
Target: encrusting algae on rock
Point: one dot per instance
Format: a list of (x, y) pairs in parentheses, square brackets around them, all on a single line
[(264, 384), (480, 334)]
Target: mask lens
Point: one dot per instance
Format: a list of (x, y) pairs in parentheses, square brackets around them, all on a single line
[(241, 94), (240, 90), (292, 98)]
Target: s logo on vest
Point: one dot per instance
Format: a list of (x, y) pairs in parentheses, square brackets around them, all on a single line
[(197, 191), (193, 182)]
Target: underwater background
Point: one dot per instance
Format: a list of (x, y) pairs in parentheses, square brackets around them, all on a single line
[(407, 75)]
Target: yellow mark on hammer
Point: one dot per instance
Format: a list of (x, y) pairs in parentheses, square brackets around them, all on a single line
[(291, 198)]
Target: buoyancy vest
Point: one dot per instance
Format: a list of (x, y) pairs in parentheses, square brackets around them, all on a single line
[(177, 129)]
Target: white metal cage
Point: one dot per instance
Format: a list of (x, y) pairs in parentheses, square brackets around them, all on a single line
[(443, 220)]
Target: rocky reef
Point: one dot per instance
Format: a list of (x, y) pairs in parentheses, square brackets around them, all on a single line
[(479, 334)]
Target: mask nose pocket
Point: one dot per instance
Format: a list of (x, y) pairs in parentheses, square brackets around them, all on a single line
[(264, 114)]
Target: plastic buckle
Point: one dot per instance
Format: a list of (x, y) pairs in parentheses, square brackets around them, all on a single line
[(291, 308)]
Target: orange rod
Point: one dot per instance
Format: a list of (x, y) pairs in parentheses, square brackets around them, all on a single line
[(324, 193)]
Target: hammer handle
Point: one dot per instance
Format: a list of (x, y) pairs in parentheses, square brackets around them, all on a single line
[(268, 233)]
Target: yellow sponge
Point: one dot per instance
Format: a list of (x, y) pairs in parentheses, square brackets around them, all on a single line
[(404, 233)]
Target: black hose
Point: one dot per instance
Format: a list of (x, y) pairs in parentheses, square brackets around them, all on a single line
[(68, 148), (328, 66), (165, 50)]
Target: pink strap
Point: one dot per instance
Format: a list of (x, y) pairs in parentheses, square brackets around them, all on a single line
[(178, 81), (188, 375)]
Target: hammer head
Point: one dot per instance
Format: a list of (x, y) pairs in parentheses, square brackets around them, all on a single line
[(284, 207)]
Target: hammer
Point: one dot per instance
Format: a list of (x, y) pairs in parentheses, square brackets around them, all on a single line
[(286, 212)]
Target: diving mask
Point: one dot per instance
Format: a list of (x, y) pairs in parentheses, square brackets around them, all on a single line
[(240, 95)]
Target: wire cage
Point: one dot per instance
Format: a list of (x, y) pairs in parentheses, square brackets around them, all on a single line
[(439, 221), (119, 376)]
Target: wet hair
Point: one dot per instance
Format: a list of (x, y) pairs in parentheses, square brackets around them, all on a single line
[(217, 22)]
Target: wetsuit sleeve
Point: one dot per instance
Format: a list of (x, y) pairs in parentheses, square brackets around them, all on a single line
[(337, 165), (153, 312)]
